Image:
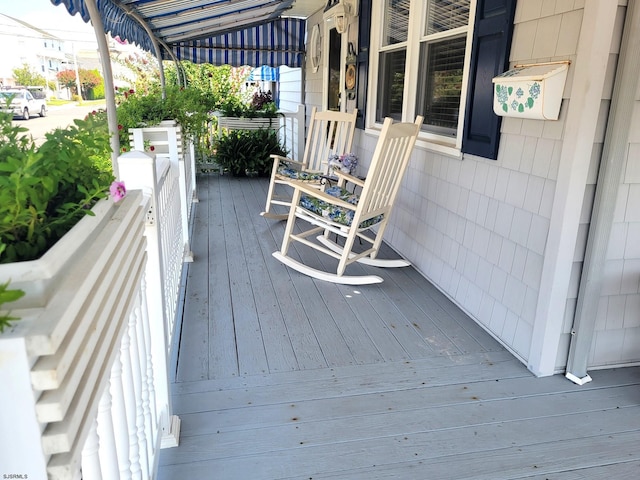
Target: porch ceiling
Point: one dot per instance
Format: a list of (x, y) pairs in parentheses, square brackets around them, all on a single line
[(233, 32)]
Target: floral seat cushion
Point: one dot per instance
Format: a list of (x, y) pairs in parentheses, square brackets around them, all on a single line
[(334, 213), (293, 174)]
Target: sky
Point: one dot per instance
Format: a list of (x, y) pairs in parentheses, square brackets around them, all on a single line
[(51, 18)]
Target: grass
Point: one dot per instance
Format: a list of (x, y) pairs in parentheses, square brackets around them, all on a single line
[(58, 101)]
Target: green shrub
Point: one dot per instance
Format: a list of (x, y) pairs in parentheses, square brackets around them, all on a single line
[(242, 152), (189, 107), (45, 190), (97, 92)]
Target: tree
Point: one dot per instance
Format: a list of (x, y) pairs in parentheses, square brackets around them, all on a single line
[(88, 80), (26, 76), (68, 79)]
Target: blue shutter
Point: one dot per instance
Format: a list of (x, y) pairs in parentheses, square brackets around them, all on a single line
[(489, 57)]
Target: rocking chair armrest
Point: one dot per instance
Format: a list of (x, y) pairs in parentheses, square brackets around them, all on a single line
[(314, 192), (342, 177), (280, 158)]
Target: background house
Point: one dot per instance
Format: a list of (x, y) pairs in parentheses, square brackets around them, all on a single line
[(25, 44)]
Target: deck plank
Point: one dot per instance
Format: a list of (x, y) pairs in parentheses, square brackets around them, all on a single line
[(411, 399), (276, 339), (280, 376), (194, 332), (223, 358), (252, 357), (303, 340), (298, 452)]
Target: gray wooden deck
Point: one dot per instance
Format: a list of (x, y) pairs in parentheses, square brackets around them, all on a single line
[(279, 376)]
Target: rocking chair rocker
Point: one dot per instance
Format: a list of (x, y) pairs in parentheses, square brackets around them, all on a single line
[(341, 212), (329, 133)]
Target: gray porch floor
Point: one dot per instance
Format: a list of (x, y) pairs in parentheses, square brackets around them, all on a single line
[(280, 376)]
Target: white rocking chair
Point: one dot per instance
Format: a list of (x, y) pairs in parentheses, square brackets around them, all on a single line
[(349, 215), (329, 133)]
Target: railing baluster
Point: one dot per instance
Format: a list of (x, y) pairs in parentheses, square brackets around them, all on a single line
[(136, 377), (153, 412), (106, 437), (91, 469), (130, 406), (119, 417), (144, 382)]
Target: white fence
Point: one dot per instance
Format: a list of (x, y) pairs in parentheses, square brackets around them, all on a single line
[(84, 372)]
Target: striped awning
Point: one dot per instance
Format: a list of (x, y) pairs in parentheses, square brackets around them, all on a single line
[(264, 74), (220, 32), (280, 42)]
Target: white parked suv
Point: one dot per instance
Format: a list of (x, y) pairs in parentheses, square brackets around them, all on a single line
[(23, 103)]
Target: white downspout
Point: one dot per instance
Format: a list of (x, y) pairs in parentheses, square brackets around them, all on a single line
[(611, 168), (109, 90)]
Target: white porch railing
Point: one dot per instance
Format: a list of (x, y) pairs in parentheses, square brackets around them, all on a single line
[(166, 141), (292, 132), (85, 391)]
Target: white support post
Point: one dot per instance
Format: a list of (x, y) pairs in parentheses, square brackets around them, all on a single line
[(300, 129), (178, 161), (141, 171), (22, 452), (192, 157), (109, 89)]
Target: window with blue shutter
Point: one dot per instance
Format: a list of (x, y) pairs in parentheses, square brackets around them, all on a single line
[(492, 35)]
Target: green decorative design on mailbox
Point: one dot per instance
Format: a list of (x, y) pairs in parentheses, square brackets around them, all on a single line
[(516, 101)]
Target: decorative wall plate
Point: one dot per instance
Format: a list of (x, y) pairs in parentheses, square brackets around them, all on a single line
[(315, 49), (350, 77)]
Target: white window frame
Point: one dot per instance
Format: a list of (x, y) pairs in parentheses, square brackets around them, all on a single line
[(415, 37)]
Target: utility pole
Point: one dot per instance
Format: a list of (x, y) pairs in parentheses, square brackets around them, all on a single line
[(75, 67)]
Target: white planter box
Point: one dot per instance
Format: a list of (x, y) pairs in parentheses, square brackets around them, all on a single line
[(241, 123), (57, 358), (530, 91)]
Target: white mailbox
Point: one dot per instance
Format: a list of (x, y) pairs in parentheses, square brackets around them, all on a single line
[(530, 91)]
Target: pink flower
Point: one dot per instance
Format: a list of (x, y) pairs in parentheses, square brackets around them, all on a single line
[(117, 191)]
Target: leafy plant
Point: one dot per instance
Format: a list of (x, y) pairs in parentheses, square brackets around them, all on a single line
[(189, 107), (7, 296), (46, 189), (248, 151), (261, 106)]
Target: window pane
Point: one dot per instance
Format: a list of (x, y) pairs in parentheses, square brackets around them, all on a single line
[(443, 15), (391, 85), (396, 21), (333, 86), (441, 66)]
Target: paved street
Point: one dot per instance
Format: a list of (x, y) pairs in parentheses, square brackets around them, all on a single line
[(58, 116)]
